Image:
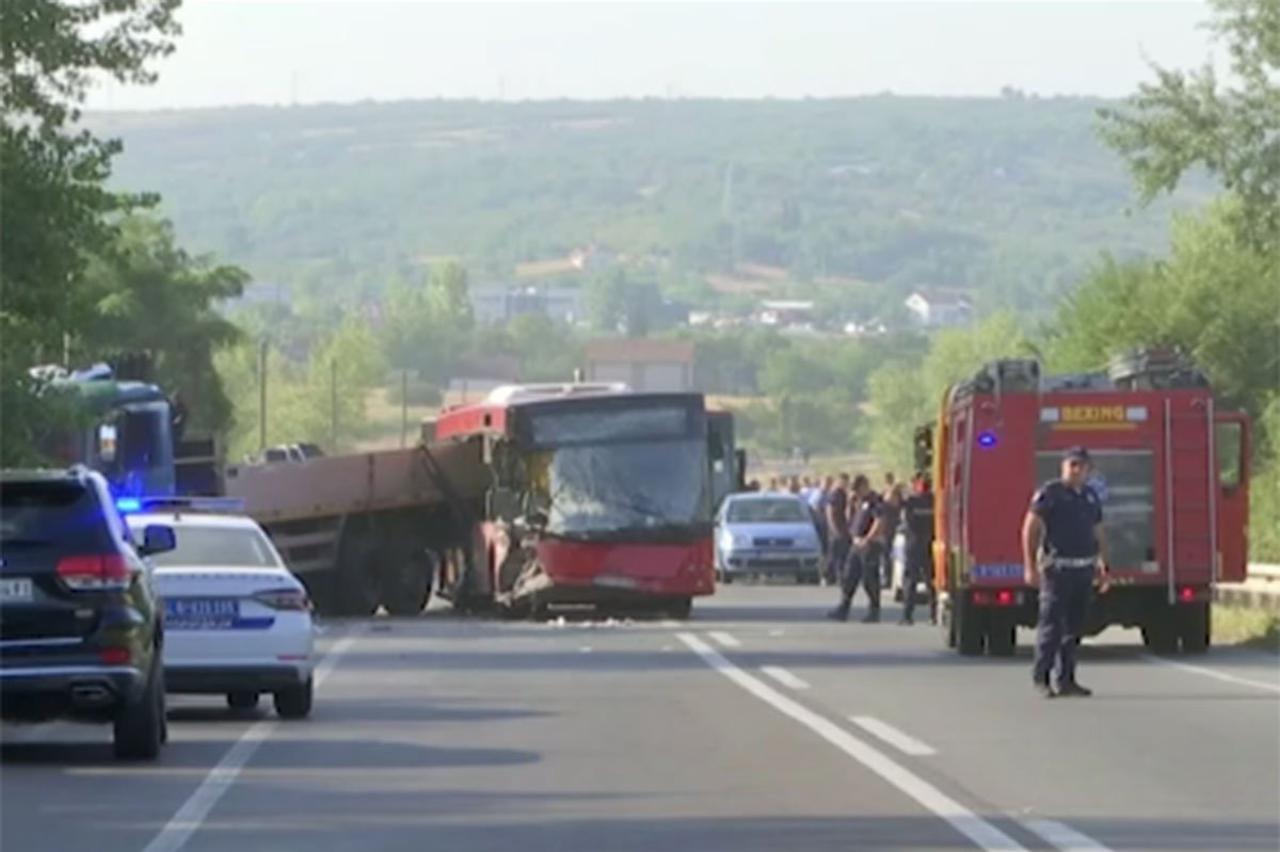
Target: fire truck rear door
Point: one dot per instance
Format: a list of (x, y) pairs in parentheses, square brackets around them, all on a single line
[(1232, 447)]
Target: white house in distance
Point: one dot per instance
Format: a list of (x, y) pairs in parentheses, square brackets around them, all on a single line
[(940, 308)]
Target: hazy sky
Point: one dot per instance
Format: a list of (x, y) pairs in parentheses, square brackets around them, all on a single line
[(326, 50)]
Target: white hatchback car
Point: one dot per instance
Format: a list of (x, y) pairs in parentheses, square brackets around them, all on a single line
[(236, 621)]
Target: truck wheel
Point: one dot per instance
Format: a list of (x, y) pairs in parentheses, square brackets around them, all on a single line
[(970, 635), (139, 726), (1193, 628), (1002, 636), (406, 586), (357, 590), (1159, 633)]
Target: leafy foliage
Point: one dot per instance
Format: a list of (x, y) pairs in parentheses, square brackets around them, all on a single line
[(1215, 296), (55, 198), (147, 295), (903, 395), (1009, 197), (1187, 119)]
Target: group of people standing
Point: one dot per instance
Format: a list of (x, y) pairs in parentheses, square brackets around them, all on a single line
[(857, 524)]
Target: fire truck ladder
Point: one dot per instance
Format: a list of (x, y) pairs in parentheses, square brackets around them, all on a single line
[(1191, 522)]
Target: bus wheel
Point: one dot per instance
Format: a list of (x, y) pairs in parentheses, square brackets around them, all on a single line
[(680, 608), (1193, 628), (1002, 636), (1159, 633), (969, 632)]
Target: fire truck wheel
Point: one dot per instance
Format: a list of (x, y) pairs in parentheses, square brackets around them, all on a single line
[(1193, 628), (947, 621), (1160, 634), (970, 634), (1002, 637)]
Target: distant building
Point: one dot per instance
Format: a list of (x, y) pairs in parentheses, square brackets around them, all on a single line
[(498, 304), (780, 313), (940, 308), (644, 364)]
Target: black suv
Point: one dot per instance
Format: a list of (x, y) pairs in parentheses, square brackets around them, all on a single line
[(80, 626)]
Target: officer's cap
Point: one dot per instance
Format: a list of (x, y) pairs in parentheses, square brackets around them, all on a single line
[(1077, 453)]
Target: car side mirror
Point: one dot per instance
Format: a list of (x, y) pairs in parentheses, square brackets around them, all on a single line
[(157, 538)]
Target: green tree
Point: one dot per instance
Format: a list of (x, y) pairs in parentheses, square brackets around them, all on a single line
[(449, 297), (54, 175), (546, 350), (903, 396), (606, 300), (1216, 296), (1187, 119), (148, 295)]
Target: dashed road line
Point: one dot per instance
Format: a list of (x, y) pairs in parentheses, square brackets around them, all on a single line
[(178, 830), (900, 740), (785, 677), (1223, 676), (1063, 837), (985, 835), (726, 640)]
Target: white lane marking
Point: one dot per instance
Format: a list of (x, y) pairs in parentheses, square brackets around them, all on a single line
[(178, 830), (982, 833), (903, 742), (585, 649), (785, 677), (1223, 676), (777, 632), (726, 640), (1063, 837)]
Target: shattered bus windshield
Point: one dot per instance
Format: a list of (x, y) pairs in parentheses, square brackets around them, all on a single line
[(629, 485)]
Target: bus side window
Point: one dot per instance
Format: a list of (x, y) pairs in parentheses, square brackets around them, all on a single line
[(1229, 445)]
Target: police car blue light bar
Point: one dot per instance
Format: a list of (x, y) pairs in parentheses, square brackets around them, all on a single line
[(214, 505)]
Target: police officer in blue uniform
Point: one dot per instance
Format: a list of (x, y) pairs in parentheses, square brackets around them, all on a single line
[(862, 565), (917, 523), (1062, 547)]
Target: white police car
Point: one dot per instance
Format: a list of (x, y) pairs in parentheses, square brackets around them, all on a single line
[(236, 621)]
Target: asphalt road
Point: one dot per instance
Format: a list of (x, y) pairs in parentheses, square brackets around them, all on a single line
[(756, 725)]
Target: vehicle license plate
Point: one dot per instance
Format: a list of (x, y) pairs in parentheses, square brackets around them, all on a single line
[(16, 589), (201, 613)]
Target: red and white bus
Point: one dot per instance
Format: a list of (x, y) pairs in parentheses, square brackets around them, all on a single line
[(598, 496)]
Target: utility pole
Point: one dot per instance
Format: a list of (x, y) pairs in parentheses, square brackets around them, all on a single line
[(404, 408), (333, 405), (262, 396)]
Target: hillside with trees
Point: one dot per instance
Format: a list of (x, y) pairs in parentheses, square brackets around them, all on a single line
[(1012, 197)]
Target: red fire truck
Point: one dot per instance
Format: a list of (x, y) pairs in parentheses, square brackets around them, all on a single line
[(598, 496), (1172, 471)]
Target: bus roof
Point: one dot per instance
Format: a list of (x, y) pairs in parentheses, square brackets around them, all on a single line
[(491, 415)]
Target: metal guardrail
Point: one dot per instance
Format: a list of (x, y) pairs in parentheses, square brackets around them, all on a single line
[(1264, 571)]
